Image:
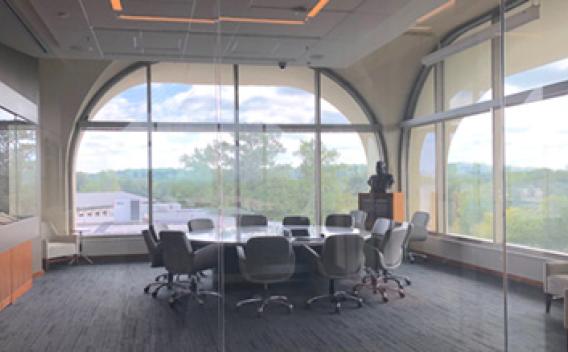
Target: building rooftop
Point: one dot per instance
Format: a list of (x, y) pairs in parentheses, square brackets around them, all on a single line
[(103, 199)]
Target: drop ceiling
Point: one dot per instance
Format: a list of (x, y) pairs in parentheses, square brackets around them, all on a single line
[(343, 32)]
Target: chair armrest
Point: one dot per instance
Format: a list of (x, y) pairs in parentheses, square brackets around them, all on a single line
[(313, 253)]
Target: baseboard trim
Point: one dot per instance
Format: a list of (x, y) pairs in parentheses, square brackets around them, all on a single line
[(5, 302), (38, 274), (20, 291), (511, 277)]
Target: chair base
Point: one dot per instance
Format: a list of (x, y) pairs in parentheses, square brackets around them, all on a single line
[(191, 291), (337, 298), (264, 302), (413, 255), (378, 284)]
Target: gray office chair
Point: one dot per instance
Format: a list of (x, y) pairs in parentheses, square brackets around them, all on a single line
[(339, 220), (359, 218), (156, 229), (252, 220), (381, 226), (266, 260), (200, 224), (341, 258), (383, 256), (180, 259), (419, 233), (296, 221), (156, 261)]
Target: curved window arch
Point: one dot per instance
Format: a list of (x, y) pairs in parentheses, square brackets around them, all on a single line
[(193, 164)]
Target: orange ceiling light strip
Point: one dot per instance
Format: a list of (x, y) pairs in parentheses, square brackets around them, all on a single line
[(116, 5), (436, 11), (259, 20), (167, 19), (317, 8)]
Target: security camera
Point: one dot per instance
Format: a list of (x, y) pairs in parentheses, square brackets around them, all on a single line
[(282, 65)]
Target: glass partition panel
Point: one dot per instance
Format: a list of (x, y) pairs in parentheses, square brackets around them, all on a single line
[(111, 175)]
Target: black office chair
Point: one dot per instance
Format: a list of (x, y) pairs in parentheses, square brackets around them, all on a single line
[(180, 259), (341, 258), (339, 220), (155, 252), (200, 224), (266, 260), (297, 221), (252, 220)]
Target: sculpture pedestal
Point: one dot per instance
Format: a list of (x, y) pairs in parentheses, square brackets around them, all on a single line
[(382, 205)]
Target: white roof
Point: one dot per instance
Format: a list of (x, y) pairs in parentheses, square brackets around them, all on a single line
[(103, 199)]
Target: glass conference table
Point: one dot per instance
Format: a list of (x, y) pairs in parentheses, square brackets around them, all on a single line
[(300, 236), (312, 235)]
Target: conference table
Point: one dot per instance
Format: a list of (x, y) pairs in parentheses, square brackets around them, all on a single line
[(300, 236)]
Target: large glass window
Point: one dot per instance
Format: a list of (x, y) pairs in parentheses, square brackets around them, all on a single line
[(469, 176), (422, 172), (347, 161), (111, 183), (197, 167)]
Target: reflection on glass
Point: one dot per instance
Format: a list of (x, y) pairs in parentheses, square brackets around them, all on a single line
[(537, 174), (277, 174), (422, 173), (469, 176), (347, 161), (18, 172), (111, 183)]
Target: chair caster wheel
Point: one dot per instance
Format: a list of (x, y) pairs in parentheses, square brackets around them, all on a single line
[(146, 289), (359, 303), (171, 302), (290, 308), (408, 282), (402, 294), (385, 299), (155, 294), (338, 308)]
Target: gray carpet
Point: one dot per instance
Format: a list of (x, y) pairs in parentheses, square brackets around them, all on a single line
[(103, 308)]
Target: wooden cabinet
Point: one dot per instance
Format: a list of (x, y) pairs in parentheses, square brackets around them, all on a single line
[(384, 205), (15, 273)]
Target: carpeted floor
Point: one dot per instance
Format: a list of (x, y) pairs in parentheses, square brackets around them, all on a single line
[(102, 308)]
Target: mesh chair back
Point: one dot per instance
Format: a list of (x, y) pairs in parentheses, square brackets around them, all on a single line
[(153, 249), (269, 258), (381, 226), (296, 220), (393, 247), (342, 255), (419, 229), (359, 218), (176, 251), (339, 220), (252, 220), (200, 224)]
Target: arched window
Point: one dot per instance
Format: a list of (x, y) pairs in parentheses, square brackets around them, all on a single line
[(193, 115), (460, 149)]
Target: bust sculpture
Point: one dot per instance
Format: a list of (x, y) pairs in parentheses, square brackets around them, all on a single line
[(382, 181)]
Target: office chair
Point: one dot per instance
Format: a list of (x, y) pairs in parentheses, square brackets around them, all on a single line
[(359, 218), (555, 280), (252, 220), (339, 220), (156, 261), (200, 224), (381, 258), (297, 221), (341, 258), (180, 259), (419, 233), (266, 260), (381, 226), (156, 229)]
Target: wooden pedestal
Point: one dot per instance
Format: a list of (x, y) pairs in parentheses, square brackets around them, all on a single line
[(15, 273), (383, 205)]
